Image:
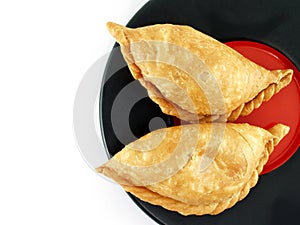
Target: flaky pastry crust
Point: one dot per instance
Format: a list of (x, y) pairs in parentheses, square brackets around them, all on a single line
[(217, 164), (194, 77)]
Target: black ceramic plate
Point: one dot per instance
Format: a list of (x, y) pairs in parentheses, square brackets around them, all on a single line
[(126, 112)]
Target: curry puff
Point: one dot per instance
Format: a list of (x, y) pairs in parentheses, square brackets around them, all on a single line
[(194, 77), (197, 168)]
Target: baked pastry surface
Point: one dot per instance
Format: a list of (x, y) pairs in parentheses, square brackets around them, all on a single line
[(194, 77), (195, 169)]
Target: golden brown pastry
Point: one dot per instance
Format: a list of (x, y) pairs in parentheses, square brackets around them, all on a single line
[(193, 76), (194, 169)]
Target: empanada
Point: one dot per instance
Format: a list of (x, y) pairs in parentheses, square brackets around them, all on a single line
[(193, 76), (197, 168)]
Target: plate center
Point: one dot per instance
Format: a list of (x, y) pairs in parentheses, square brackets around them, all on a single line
[(283, 107)]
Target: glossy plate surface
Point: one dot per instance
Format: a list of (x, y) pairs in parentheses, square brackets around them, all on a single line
[(126, 112)]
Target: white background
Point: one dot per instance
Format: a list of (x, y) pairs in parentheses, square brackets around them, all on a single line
[(45, 49)]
